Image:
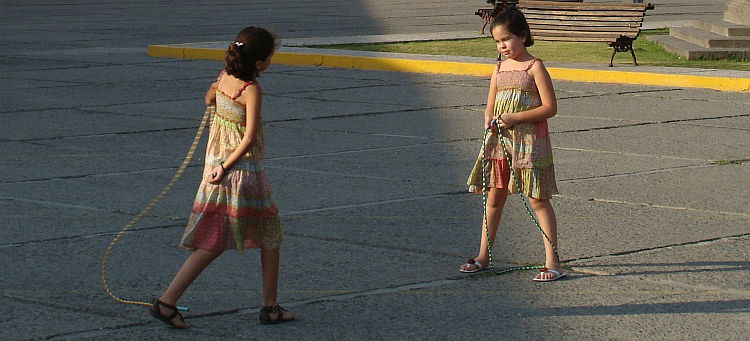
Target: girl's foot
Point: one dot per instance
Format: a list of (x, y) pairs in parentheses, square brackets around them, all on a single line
[(274, 314), (549, 275), (168, 314), (473, 265)]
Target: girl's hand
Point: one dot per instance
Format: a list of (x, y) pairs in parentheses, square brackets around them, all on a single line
[(506, 121), (489, 124), (216, 175)]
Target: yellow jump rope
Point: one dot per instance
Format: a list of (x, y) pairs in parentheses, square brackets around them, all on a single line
[(210, 110)]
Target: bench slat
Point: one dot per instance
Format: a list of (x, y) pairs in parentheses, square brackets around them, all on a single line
[(613, 25), (584, 28), (579, 8), (555, 19), (592, 14), (579, 39), (581, 5), (546, 34)]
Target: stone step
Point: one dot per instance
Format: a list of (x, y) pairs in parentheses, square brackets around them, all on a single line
[(737, 18), (708, 39), (738, 12), (691, 51), (722, 27)]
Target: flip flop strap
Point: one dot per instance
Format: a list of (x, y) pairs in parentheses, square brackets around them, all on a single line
[(475, 262), (275, 309), (175, 313), (557, 273)]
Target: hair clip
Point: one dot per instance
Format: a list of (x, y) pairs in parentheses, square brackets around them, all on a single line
[(239, 44)]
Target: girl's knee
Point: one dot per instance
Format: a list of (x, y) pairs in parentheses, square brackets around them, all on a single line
[(538, 204)]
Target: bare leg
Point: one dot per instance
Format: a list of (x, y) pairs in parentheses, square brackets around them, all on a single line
[(545, 214), (270, 263), (193, 266), (495, 202)]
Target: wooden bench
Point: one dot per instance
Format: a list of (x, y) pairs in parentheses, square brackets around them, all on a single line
[(616, 24)]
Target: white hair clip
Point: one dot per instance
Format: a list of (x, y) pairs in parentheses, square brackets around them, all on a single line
[(239, 44)]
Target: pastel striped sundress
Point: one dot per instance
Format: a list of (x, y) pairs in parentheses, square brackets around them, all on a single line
[(527, 143), (239, 212)]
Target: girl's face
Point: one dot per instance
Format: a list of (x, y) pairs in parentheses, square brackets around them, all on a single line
[(262, 65), (508, 44)]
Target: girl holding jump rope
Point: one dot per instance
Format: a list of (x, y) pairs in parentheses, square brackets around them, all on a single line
[(520, 101)]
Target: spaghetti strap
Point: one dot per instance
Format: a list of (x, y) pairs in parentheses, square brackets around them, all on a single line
[(531, 64), (239, 92)]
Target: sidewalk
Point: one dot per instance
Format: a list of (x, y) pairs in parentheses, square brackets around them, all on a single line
[(295, 52), (368, 169)]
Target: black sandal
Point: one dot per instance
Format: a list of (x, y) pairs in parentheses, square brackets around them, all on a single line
[(155, 311), (265, 315)]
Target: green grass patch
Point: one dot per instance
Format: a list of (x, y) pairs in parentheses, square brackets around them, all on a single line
[(646, 52)]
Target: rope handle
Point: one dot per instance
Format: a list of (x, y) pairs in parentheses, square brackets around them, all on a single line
[(210, 110)]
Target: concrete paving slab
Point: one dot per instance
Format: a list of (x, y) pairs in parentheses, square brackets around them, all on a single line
[(580, 164), (75, 160), (508, 307), (72, 122), (25, 318), (592, 225), (713, 265), (648, 109), (33, 221), (669, 140), (680, 188)]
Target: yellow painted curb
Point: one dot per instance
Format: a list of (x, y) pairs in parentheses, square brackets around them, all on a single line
[(462, 68)]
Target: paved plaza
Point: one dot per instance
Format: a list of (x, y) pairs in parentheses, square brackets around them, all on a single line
[(368, 169)]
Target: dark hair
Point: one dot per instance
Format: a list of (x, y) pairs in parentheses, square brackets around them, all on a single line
[(251, 45), (515, 22)]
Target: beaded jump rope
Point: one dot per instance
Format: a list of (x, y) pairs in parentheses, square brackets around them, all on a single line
[(523, 199), (210, 110)]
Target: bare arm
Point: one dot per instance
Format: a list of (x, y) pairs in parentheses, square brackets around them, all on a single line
[(252, 97), (489, 111), (548, 108), (211, 94)]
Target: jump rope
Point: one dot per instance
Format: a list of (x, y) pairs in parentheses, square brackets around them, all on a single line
[(210, 110), (523, 199)]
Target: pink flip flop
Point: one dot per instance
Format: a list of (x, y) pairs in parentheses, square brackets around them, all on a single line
[(557, 274), (480, 267)]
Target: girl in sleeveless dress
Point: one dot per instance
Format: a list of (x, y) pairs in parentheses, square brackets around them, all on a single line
[(520, 101), (234, 208)]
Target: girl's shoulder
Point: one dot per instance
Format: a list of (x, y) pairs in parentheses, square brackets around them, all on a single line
[(250, 92), (536, 67)]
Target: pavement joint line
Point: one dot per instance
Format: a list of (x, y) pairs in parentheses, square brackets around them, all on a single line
[(368, 204), (92, 235), (379, 246), (365, 150), (70, 307), (51, 203), (346, 175), (84, 136), (701, 242), (638, 124), (326, 58), (633, 154), (697, 287), (668, 207), (352, 295), (647, 172)]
